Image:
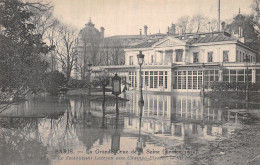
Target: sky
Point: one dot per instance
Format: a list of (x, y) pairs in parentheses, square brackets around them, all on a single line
[(125, 17)]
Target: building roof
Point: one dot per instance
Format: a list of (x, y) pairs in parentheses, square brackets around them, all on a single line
[(211, 38), (146, 44), (192, 39), (126, 37)]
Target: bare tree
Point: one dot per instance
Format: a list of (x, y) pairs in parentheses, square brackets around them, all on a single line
[(65, 49), (102, 80), (198, 22), (183, 22), (45, 25), (256, 15)]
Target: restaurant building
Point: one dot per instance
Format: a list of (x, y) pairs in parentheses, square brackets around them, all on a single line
[(177, 63)]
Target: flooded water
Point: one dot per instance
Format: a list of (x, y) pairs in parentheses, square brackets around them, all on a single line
[(168, 129)]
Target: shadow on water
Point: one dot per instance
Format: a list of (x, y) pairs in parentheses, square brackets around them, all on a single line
[(165, 123)]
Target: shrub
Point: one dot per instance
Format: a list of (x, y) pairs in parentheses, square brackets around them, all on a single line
[(53, 81), (221, 86), (73, 83)]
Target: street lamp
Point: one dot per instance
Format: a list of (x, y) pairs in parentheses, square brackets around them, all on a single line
[(89, 71), (116, 89), (247, 60), (140, 58), (139, 145)]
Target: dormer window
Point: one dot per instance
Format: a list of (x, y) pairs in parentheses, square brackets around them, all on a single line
[(179, 53), (195, 57), (225, 56), (210, 56)]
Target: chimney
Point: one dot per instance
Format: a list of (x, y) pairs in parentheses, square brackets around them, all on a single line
[(173, 29), (218, 15), (180, 30), (223, 25), (240, 32), (140, 32), (145, 30), (102, 32)]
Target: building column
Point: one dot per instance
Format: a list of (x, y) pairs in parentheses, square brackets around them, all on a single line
[(148, 104), (157, 101), (137, 80), (163, 57), (220, 75), (184, 55), (172, 128), (253, 76), (174, 56), (169, 80), (169, 107)]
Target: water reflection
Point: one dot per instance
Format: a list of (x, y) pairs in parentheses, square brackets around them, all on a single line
[(76, 126)]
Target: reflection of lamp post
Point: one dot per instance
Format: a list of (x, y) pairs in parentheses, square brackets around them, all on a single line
[(116, 89), (89, 71), (140, 57), (203, 80), (247, 60), (139, 144), (115, 145)]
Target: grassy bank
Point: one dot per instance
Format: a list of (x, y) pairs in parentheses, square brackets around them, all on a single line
[(85, 91)]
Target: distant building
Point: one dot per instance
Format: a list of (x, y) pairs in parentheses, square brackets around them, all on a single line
[(94, 48)]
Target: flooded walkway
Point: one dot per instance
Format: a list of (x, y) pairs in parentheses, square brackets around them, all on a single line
[(171, 129)]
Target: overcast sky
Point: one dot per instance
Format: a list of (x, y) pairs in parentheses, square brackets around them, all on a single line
[(120, 17)]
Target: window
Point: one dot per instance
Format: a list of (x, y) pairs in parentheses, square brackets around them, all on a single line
[(131, 62), (165, 80), (179, 55), (195, 57), (184, 80), (161, 78), (210, 56), (135, 79), (156, 79), (225, 56), (151, 79), (195, 78), (132, 79), (146, 78)]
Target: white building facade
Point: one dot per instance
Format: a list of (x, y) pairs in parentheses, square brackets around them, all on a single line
[(177, 63)]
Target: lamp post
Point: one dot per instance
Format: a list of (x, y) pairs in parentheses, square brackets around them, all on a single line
[(116, 89), (139, 145), (247, 81), (140, 58), (89, 71)]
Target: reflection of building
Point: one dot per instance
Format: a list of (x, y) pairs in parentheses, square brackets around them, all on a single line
[(181, 117), (176, 63)]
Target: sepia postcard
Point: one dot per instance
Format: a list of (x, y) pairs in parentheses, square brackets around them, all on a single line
[(129, 82)]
